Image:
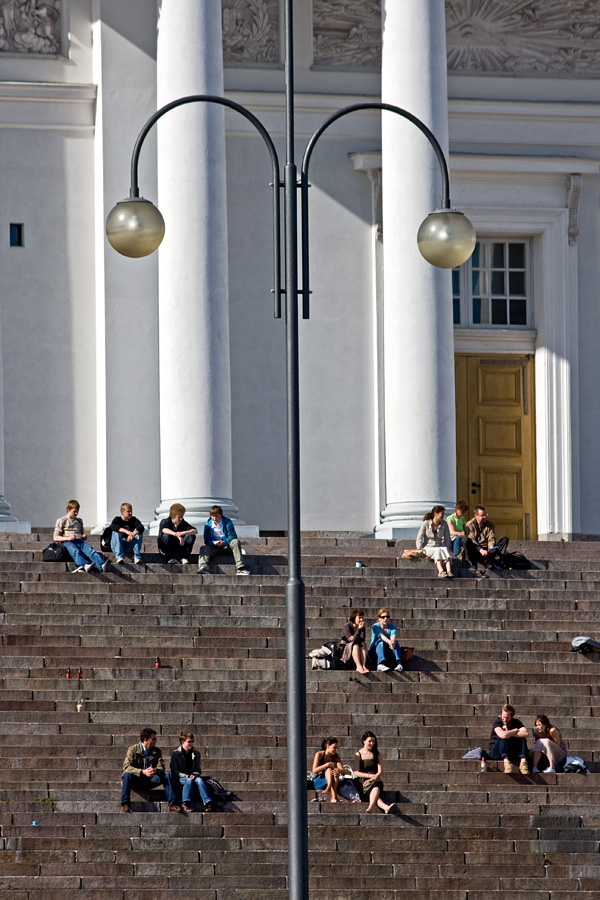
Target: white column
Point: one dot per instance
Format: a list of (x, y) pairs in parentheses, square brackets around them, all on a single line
[(195, 389), (8, 523), (420, 431)]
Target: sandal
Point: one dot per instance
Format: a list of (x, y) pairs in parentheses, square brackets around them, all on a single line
[(442, 575)]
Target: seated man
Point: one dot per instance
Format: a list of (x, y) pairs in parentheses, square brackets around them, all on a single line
[(220, 537), (176, 536), (69, 531), (143, 767), (479, 539), (508, 741), (126, 535), (185, 769)]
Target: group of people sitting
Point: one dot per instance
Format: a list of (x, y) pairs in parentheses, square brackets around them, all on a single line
[(384, 645), (508, 742), (176, 539), (144, 769), (328, 769), (441, 539)]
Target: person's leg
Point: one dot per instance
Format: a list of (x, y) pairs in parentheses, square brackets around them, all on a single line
[(136, 546), (206, 553), (116, 545), (236, 549), (380, 651), (359, 657), (373, 798), (164, 778), (128, 780), (456, 545), (92, 555), (72, 548), (205, 794), (187, 785), (170, 547), (188, 543), (472, 552)]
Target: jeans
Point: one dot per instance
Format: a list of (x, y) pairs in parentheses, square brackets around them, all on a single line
[(514, 749), (234, 548), (456, 546), (146, 784), (187, 789), (120, 545), (380, 650), (83, 553), (170, 547)]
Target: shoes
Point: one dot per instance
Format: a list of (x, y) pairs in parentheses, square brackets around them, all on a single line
[(442, 575), (174, 808), (549, 771), (242, 572), (509, 768), (450, 575), (535, 770), (209, 807), (382, 667), (89, 567), (136, 561), (119, 561), (480, 574), (185, 562), (125, 807), (78, 569), (202, 570), (186, 807), (387, 811), (523, 767), (172, 562), (105, 565), (399, 668)]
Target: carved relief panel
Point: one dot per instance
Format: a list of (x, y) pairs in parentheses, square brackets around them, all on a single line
[(347, 33), (515, 37), (251, 31), (30, 26)]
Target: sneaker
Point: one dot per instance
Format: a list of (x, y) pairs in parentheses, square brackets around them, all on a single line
[(242, 572), (89, 567), (137, 560), (172, 562), (524, 767), (209, 808), (77, 569), (174, 808), (125, 807), (509, 768), (202, 570), (119, 561), (535, 770), (399, 668), (549, 771), (185, 562), (382, 668), (186, 807), (105, 565)]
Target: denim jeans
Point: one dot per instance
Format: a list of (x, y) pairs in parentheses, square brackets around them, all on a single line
[(83, 553), (456, 546), (120, 545), (514, 749), (146, 784), (187, 789), (380, 649)]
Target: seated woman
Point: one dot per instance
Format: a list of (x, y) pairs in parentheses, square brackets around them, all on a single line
[(383, 639), (327, 768), (186, 771), (434, 538), (367, 772), (353, 641), (456, 525), (548, 746)]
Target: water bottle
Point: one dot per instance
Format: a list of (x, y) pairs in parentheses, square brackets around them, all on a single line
[(483, 766)]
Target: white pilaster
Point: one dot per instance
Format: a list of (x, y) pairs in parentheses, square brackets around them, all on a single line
[(420, 438), (195, 390)]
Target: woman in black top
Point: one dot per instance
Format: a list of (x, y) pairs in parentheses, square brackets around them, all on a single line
[(367, 774), (353, 641)]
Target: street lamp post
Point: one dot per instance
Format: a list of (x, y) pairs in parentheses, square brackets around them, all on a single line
[(135, 228)]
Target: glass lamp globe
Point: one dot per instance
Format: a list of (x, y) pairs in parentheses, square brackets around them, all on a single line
[(135, 227), (446, 238)]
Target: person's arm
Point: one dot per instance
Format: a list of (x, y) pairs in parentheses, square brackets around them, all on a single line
[(357, 771), (555, 735), (491, 538), (128, 762), (318, 764), (59, 531), (392, 634), (197, 763), (445, 536), (347, 634), (157, 762), (230, 533), (452, 529), (422, 537), (174, 764)]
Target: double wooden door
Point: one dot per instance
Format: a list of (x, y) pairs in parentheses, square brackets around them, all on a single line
[(495, 431)]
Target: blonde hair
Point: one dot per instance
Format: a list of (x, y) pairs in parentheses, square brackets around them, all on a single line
[(126, 506)]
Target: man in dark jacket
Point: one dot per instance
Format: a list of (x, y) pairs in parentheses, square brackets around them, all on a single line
[(143, 767), (220, 537), (479, 539), (185, 769)]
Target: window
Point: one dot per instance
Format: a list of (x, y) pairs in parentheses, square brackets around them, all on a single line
[(15, 234), (491, 290)]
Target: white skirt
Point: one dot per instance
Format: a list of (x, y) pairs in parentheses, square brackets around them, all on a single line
[(437, 554)]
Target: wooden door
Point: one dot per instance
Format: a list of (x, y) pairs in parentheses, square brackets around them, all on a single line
[(495, 433)]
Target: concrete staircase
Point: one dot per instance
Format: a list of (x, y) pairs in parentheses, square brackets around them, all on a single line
[(220, 639)]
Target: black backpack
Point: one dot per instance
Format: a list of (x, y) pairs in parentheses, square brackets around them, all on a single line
[(55, 552), (515, 560)]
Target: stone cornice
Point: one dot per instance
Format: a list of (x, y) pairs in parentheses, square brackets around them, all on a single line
[(47, 105)]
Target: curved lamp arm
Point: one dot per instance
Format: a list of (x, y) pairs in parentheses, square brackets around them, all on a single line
[(304, 184), (134, 192)]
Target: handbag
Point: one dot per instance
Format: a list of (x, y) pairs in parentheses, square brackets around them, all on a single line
[(55, 552), (413, 554)]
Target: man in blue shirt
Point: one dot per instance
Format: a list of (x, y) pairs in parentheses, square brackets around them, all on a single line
[(220, 537)]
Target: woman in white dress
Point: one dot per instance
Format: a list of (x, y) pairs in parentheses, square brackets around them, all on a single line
[(434, 538)]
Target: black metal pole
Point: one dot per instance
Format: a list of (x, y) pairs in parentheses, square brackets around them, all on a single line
[(294, 589)]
